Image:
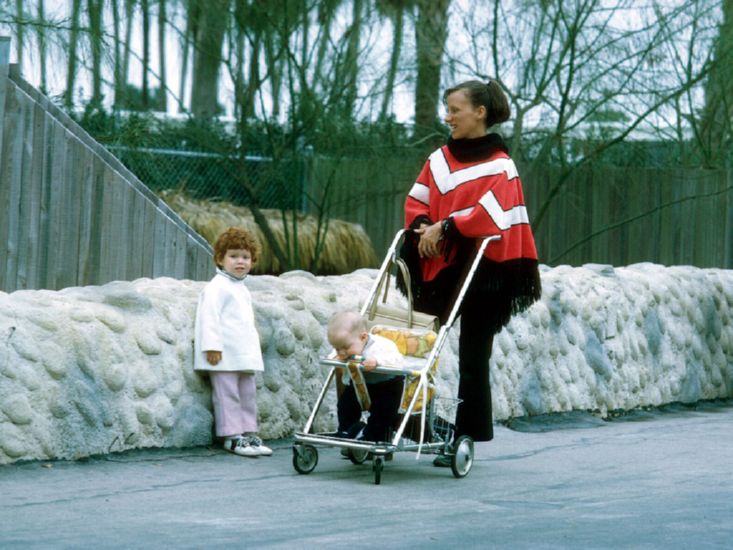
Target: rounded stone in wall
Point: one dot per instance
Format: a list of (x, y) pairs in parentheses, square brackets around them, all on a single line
[(284, 341), (12, 442), (17, 409), (115, 376)]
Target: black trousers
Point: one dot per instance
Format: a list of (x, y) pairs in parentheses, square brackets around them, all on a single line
[(480, 316), (475, 415), (385, 397)]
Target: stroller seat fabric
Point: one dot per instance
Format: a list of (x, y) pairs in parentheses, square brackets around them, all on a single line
[(413, 344)]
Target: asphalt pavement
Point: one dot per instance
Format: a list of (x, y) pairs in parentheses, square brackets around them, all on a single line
[(652, 479)]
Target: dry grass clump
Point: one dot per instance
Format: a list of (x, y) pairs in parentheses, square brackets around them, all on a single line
[(346, 246)]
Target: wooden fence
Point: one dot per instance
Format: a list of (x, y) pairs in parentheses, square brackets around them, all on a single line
[(606, 215), (70, 213)]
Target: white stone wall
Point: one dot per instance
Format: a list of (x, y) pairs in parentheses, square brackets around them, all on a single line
[(95, 370)]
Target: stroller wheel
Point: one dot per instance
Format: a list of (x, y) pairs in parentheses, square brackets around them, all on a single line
[(305, 458), (357, 456), (462, 458)]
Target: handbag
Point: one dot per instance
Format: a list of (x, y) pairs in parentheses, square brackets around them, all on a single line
[(383, 314)]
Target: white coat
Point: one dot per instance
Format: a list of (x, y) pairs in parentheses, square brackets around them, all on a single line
[(225, 322)]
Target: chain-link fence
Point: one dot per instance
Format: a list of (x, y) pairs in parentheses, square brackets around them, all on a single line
[(263, 181)]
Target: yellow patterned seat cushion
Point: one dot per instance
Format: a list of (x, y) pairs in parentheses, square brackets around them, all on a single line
[(411, 342)]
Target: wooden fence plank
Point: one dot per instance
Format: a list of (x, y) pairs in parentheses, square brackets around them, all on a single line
[(71, 201), (179, 258), (54, 207), (106, 202), (136, 235), (34, 187), (8, 191), (160, 246), (85, 185), (148, 244), (27, 214), (16, 119)]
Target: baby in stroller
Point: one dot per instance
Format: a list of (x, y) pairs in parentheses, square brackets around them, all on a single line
[(379, 394)]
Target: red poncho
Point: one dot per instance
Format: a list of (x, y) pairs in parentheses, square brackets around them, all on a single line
[(482, 197)]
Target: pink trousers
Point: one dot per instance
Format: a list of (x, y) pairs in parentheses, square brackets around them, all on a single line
[(234, 395)]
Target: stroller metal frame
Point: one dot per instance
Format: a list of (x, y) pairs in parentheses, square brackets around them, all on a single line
[(305, 455)]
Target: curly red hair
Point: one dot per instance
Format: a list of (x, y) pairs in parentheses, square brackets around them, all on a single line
[(232, 239)]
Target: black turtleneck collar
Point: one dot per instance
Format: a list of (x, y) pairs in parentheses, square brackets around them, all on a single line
[(474, 149)]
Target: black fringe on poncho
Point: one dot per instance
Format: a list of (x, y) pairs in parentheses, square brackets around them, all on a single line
[(506, 288)]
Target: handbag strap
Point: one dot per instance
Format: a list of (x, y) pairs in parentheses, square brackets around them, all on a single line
[(408, 285), (402, 266)]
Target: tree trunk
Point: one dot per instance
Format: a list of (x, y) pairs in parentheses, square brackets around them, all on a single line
[(304, 45), (236, 43), (118, 93), (325, 19), (239, 64), (94, 8), (274, 63), (145, 12), (186, 39), (717, 116), (41, 33), (129, 14), (207, 58), (248, 100), (430, 36), (398, 24), (73, 44), (163, 92), (19, 32), (348, 70)]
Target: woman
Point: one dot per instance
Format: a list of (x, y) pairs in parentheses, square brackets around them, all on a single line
[(468, 189)]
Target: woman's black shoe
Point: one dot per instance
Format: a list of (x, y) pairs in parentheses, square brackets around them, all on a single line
[(442, 461)]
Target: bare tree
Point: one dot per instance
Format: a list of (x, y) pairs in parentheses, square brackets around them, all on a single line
[(247, 107), (94, 13), (347, 68), (275, 39), (548, 58), (117, 40), (162, 104), (129, 21), (715, 128), (145, 13), (324, 17), (395, 11), (187, 37), (208, 42), (72, 60), (431, 31), (20, 23)]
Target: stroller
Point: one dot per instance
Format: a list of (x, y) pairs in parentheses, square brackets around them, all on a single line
[(425, 421)]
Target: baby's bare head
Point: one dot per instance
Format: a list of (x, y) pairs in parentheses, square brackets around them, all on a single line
[(347, 331)]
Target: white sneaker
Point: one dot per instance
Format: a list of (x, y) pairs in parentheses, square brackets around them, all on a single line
[(241, 446), (256, 443)]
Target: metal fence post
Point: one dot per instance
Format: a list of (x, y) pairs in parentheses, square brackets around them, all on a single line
[(305, 188), (303, 161)]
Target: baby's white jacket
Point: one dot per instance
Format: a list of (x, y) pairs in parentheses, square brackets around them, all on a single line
[(225, 322)]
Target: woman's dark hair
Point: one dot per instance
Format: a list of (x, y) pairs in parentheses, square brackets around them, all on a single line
[(490, 95)]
